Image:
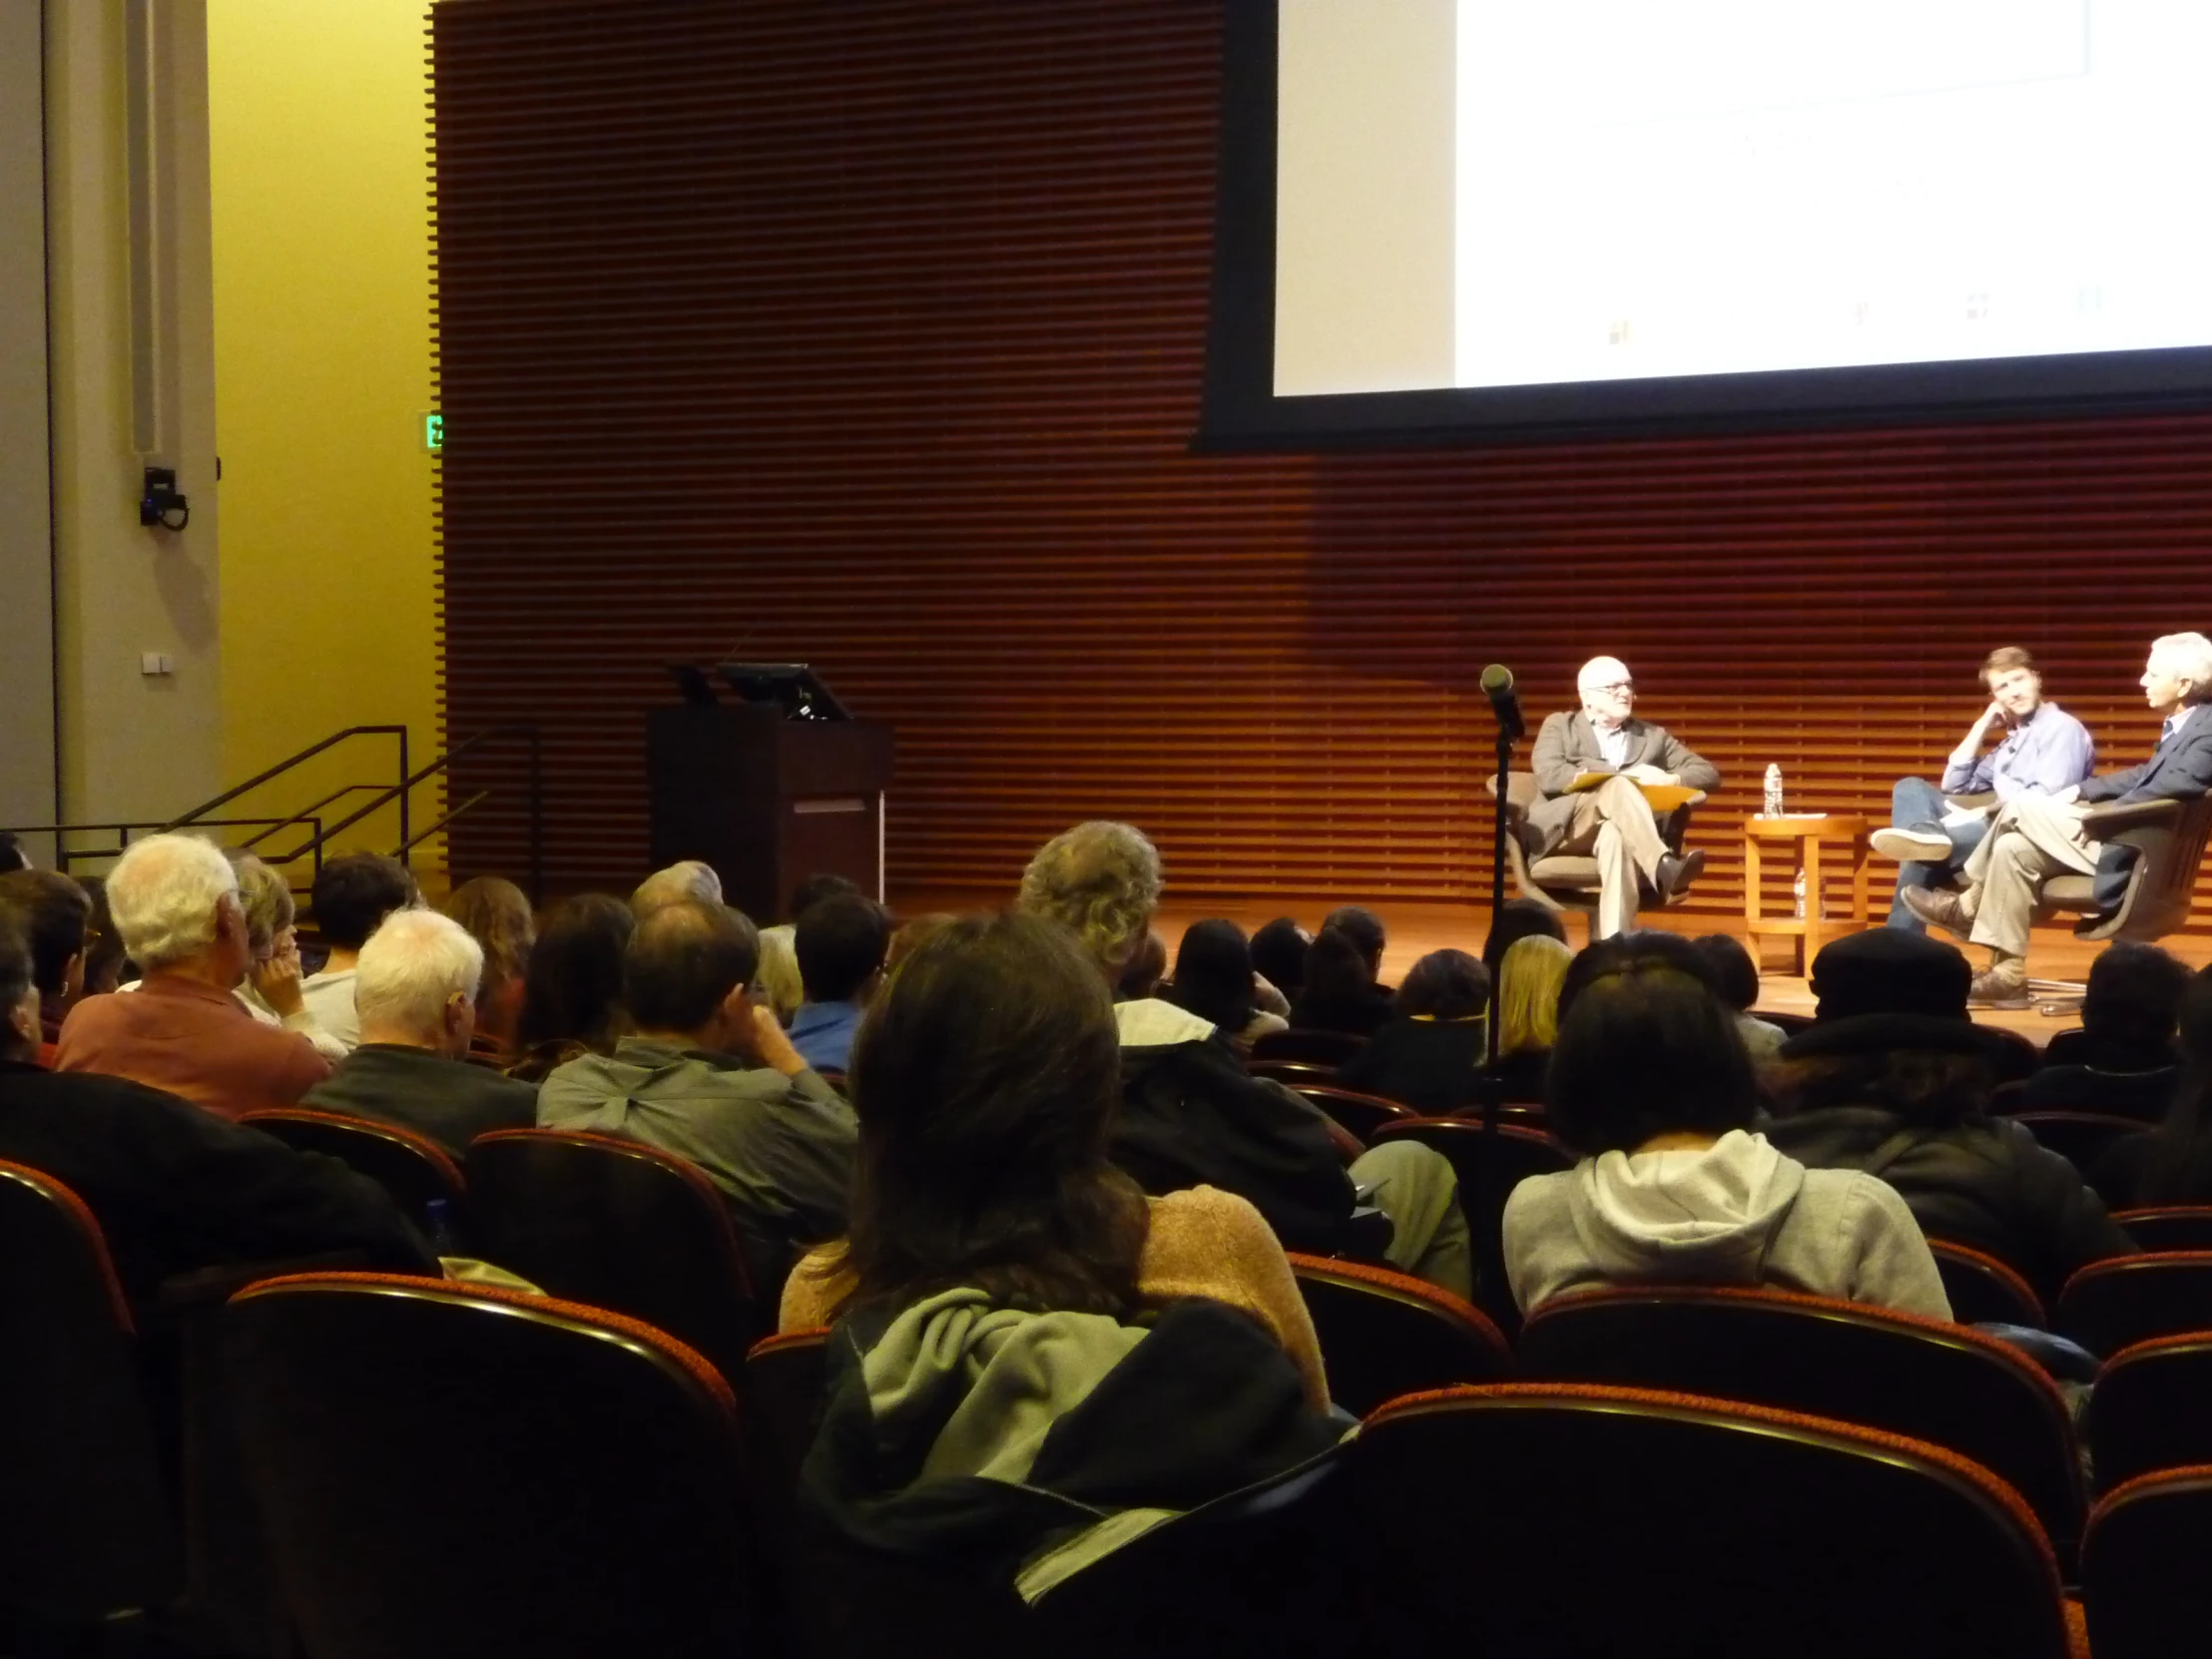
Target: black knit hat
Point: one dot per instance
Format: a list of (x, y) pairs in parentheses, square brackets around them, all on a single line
[(1888, 990)]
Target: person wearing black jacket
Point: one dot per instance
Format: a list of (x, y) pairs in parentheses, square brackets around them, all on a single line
[(174, 1186), (1894, 1079), (1430, 1054), (1192, 1116)]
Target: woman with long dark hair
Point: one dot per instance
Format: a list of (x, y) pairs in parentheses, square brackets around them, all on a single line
[(1214, 979), (1001, 1274), (572, 987)]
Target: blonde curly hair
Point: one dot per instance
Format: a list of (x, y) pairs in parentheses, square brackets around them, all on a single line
[(1101, 882)]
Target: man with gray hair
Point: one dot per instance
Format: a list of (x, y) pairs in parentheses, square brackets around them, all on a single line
[(1611, 822), (416, 990), (2036, 837), (174, 900), (690, 880)]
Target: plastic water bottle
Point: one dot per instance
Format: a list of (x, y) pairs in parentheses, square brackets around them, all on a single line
[(1772, 807), (1799, 890)]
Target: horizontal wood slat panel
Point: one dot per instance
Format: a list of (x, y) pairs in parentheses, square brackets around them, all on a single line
[(872, 335)]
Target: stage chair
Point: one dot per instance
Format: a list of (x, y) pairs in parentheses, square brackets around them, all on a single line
[(1564, 883), (88, 1529), (1385, 1333), (1362, 1114), (2169, 1227), (414, 1168), (1556, 1522), (2143, 1582), (1985, 1291), (2079, 1137), (2109, 1305), (2148, 1408), (450, 1472), (2169, 838), (1489, 1164), (617, 1225), (1323, 1049), (1927, 1378)]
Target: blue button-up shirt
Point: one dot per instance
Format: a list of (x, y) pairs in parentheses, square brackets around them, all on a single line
[(823, 1033), (2045, 753)]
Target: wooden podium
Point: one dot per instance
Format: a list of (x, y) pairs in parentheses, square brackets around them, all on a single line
[(768, 800)]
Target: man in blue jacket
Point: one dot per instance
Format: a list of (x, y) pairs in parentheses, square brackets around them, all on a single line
[(2036, 837)]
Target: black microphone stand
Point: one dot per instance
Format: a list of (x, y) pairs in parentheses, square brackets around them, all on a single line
[(1491, 1083)]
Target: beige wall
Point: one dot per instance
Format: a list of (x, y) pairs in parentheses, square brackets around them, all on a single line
[(27, 760), (320, 203), (131, 746), (1364, 195)]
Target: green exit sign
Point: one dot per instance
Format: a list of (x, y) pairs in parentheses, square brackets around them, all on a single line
[(433, 432)]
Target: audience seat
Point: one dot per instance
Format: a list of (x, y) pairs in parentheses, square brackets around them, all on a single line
[(617, 1225), (1985, 1291), (781, 1387), (1386, 1333), (2171, 1227), (1558, 1521), (2079, 1137), (1934, 1381), (453, 1472), (1294, 1074), (87, 1526), (2109, 1305), (2143, 1579), (1489, 1164), (1788, 1024), (414, 1169), (1362, 1114), (1323, 1049), (2151, 1408)]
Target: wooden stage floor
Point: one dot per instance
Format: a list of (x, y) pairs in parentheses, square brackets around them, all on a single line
[(1419, 927)]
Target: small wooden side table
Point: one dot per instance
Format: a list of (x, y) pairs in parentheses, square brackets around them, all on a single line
[(1813, 834)]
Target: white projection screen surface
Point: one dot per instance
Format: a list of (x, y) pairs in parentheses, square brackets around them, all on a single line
[(1539, 212)]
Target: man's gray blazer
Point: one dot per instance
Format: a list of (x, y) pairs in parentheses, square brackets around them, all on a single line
[(1566, 748)]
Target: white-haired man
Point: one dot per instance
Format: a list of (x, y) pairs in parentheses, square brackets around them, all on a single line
[(2036, 837), (687, 880), (174, 900), (1613, 823), (416, 989)]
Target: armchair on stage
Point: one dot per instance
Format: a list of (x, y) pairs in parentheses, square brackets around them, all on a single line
[(2168, 836), (1562, 882)]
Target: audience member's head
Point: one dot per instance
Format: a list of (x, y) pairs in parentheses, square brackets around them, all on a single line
[(2178, 1169), (818, 887), (1637, 945), (1528, 993), (1889, 1031), (1733, 969), (53, 914), (1101, 882), (985, 1081), (1337, 969), (1213, 974), (176, 904), (778, 978), (1646, 1050), (265, 897), (912, 932), (355, 893), (840, 941), (105, 956), (2135, 995), (572, 990), (1445, 984), (19, 1026), (13, 856), (1278, 954), (418, 983), (686, 880), (687, 971), (498, 917), (1519, 919), (1142, 973), (1364, 929)]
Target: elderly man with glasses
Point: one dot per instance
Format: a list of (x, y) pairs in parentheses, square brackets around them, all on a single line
[(1611, 820)]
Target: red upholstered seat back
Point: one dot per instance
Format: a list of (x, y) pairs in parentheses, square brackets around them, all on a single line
[(2143, 1577), (414, 1169), (1386, 1333), (2107, 1306)]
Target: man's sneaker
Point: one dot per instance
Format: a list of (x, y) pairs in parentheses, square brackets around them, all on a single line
[(1918, 845), (1999, 989), (1940, 907)]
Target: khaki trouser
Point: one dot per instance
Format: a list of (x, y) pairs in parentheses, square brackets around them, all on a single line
[(2032, 839), (1614, 824), (1415, 1186)]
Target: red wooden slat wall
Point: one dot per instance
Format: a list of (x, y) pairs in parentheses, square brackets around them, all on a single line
[(871, 334)]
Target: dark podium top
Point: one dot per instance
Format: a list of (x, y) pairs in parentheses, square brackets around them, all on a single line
[(765, 800)]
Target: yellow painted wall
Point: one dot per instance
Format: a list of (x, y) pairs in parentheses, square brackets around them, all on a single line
[(319, 130)]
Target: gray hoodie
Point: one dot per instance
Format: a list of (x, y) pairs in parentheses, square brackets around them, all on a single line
[(1736, 1213)]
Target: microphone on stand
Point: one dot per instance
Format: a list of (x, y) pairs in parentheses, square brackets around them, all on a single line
[(1497, 683)]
